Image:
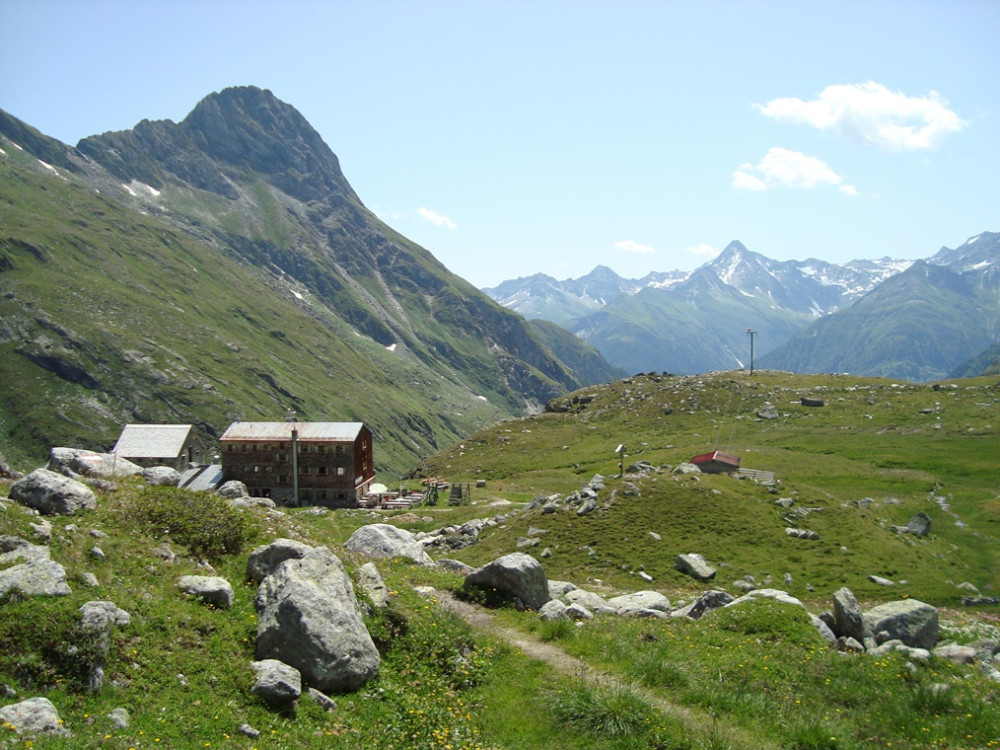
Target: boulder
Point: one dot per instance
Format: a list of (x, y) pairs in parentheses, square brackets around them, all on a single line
[(881, 581), (823, 629), (768, 411), (920, 525), (233, 490), (265, 559), (694, 565), (587, 599), (308, 618), (848, 618), (557, 588), (35, 716), (161, 476), (588, 505), (52, 494), (92, 637), (212, 590), (553, 609), (28, 569), (956, 653), (6, 472), (639, 600), (385, 541), (709, 600), (908, 620), (517, 575), (276, 683), (578, 612), (77, 461)]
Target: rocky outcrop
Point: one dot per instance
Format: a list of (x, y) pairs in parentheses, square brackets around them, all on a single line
[(308, 618), (385, 541), (516, 576), (52, 494), (28, 569)]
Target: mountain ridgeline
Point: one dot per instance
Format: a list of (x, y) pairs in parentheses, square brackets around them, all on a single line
[(916, 321), (223, 268)]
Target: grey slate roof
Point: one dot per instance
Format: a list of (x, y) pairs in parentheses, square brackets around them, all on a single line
[(336, 432), (152, 440)]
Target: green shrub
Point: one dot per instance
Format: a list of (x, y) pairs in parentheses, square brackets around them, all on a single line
[(201, 521)]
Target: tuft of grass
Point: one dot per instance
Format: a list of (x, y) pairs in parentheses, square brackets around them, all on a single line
[(604, 712)]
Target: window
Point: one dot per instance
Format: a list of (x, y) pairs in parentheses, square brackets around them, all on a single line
[(283, 458), (322, 471), (230, 447), (340, 471), (321, 449), (339, 450)]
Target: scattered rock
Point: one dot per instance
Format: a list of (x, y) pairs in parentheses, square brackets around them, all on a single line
[(277, 684), (639, 600), (161, 476), (233, 490), (767, 411), (881, 581), (52, 494), (517, 575), (92, 637), (802, 534), (28, 568), (847, 615), (552, 610), (694, 565), (908, 620), (920, 525), (385, 541), (708, 600), (35, 716), (322, 700), (956, 653), (119, 718), (212, 590)]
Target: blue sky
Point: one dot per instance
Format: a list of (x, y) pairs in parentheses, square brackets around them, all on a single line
[(510, 138)]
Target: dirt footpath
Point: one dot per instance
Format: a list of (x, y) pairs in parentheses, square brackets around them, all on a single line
[(700, 725)]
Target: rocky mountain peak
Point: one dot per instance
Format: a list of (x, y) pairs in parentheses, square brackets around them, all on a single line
[(250, 128)]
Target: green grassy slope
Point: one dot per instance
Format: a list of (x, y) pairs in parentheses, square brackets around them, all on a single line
[(906, 448), (110, 317)]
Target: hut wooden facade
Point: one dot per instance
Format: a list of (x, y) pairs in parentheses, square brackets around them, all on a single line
[(300, 463)]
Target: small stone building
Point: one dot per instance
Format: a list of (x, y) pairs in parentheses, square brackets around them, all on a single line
[(300, 463), (173, 445)]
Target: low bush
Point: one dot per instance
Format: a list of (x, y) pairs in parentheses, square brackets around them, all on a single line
[(203, 522)]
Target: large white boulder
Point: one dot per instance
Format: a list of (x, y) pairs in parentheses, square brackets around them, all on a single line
[(309, 619)]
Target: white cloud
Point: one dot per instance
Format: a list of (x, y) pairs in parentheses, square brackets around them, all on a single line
[(436, 219), (849, 190), (872, 114), (783, 168), (630, 246)]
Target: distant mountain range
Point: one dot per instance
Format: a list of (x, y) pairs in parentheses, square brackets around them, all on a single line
[(919, 320), (223, 268)]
